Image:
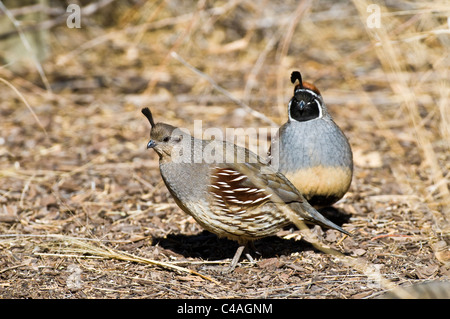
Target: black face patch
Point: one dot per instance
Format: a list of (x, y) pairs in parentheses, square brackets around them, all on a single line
[(304, 106)]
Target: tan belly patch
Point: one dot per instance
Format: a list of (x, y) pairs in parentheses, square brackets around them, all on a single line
[(321, 181)]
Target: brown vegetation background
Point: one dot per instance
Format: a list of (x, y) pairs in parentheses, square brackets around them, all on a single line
[(83, 210)]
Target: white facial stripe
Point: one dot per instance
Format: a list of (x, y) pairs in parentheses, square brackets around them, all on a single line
[(309, 91), (320, 108), (289, 110)]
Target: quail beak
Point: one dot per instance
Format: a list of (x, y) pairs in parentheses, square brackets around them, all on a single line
[(301, 105), (151, 144)]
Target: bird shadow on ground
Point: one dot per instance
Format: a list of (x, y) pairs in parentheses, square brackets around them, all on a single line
[(208, 246), (336, 215)]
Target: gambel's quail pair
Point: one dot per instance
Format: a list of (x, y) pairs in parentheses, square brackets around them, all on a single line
[(233, 193)]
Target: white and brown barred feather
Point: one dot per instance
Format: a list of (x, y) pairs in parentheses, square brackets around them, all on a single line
[(252, 205), (246, 208), (232, 192)]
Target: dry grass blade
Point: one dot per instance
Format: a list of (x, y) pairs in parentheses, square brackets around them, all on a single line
[(64, 245), (20, 95)]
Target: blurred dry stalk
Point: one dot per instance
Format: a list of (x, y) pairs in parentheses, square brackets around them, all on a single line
[(389, 47), (387, 87)]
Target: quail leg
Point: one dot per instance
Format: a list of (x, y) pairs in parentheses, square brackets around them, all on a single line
[(243, 248), (236, 257)]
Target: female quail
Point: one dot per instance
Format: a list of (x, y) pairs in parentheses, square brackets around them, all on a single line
[(312, 151), (227, 189)]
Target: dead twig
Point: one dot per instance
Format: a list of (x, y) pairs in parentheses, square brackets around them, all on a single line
[(390, 235)]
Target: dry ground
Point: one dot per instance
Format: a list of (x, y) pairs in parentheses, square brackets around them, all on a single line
[(83, 210)]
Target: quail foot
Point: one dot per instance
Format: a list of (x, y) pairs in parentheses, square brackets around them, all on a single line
[(311, 150), (227, 189)]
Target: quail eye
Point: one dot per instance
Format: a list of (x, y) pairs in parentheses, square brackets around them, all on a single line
[(166, 139)]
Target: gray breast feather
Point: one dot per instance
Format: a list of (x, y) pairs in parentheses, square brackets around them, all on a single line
[(312, 143)]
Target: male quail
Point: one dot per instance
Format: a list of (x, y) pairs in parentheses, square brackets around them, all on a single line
[(227, 189), (312, 151)]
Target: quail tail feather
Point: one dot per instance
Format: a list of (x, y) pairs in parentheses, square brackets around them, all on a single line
[(314, 217)]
